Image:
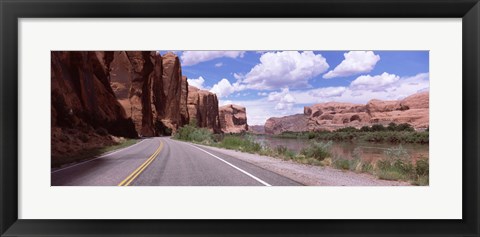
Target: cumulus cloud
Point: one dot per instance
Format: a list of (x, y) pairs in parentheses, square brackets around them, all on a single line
[(284, 99), (190, 58), (287, 68), (327, 91), (259, 110), (198, 82), (224, 88), (218, 64), (355, 62), (377, 82)]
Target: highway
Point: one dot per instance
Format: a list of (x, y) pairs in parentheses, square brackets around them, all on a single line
[(162, 161)]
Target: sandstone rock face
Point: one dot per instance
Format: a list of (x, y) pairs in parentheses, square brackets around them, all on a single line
[(151, 89), (203, 108), (292, 123), (330, 116), (131, 77), (256, 129), (233, 118), (168, 94), (84, 108), (81, 93)]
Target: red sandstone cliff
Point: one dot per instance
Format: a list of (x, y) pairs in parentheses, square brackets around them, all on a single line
[(152, 89), (203, 108), (233, 118), (413, 110), (84, 109)]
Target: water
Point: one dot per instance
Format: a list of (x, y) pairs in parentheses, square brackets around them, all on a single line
[(369, 151)]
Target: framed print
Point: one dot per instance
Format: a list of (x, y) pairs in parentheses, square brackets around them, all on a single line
[(239, 118)]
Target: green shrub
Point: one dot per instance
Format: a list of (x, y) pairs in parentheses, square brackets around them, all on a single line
[(397, 153), (347, 129), (422, 167), (192, 133), (317, 150), (343, 164), (377, 128), (240, 143), (284, 152)]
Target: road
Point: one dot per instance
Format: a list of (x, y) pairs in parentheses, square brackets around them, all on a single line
[(162, 161)]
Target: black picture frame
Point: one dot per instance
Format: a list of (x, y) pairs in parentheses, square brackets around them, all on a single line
[(12, 10)]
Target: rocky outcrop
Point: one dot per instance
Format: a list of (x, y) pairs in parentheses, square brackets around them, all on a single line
[(256, 129), (292, 123), (413, 110), (168, 94), (84, 108), (132, 76), (203, 109), (151, 89), (233, 118)]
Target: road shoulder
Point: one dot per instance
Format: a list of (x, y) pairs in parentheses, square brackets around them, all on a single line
[(307, 174)]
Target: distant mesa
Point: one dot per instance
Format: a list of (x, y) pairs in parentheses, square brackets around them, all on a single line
[(413, 110), (233, 119), (256, 129)]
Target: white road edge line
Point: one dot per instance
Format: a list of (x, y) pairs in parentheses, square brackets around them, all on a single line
[(228, 163), (102, 156)]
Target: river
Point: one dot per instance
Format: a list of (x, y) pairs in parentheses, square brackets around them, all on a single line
[(368, 151)]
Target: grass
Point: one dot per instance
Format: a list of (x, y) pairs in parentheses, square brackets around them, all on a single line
[(89, 153), (396, 163)]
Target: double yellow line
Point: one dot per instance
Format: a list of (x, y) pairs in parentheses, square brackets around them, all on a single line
[(141, 168)]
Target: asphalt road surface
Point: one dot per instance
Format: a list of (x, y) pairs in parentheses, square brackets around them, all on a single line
[(162, 161)]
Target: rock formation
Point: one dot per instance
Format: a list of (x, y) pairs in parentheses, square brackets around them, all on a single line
[(84, 108), (131, 77), (292, 123), (256, 129), (168, 94), (413, 110), (203, 109), (233, 118), (123, 93), (152, 89)]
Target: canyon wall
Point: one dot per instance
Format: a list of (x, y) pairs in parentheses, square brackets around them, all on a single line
[(203, 109), (233, 119), (152, 89), (330, 116), (100, 96), (84, 108)]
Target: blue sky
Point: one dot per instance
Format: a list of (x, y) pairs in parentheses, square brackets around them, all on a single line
[(280, 83)]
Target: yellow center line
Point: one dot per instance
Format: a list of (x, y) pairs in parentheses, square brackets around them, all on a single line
[(142, 167)]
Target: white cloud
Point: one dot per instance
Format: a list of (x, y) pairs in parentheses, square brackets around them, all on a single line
[(224, 88), (284, 99), (218, 64), (259, 110), (262, 93), (355, 62), (190, 58), (398, 88), (378, 82), (238, 76), (198, 82), (225, 102), (287, 68), (327, 91)]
